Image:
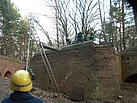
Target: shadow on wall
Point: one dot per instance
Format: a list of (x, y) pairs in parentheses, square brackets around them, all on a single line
[(8, 74), (132, 78)]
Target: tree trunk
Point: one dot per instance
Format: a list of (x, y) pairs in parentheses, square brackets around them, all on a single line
[(123, 26), (56, 3), (116, 38), (120, 35), (103, 29), (111, 21), (135, 18)]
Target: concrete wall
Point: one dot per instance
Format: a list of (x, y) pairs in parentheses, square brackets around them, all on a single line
[(92, 67), (119, 65), (129, 64), (8, 66)]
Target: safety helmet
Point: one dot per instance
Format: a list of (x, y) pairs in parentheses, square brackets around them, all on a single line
[(92, 32), (21, 81)]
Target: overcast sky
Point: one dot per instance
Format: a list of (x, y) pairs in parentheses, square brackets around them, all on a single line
[(27, 6), (36, 6)]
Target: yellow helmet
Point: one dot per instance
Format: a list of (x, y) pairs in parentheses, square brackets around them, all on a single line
[(92, 32), (21, 81)]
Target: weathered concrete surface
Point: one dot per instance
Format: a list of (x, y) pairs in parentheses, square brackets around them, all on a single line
[(8, 66), (129, 63), (86, 65), (119, 65)]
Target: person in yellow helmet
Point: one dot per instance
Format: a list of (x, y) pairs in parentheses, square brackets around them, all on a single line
[(91, 37), (21, 84)]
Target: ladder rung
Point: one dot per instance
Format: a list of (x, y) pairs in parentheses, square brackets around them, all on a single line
[(45, 59)]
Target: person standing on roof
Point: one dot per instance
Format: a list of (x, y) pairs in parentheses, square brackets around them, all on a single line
[(68, 41), (79, 37), (21, 84), (91, 37)]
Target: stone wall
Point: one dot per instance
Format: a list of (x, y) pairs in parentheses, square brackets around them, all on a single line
[(119, 65), (129, 63), (85, 65)]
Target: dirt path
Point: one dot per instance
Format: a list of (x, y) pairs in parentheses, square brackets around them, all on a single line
[(4, 90), (129, 94)]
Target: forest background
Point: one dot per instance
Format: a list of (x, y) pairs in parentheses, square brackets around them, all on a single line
[(115, 25)]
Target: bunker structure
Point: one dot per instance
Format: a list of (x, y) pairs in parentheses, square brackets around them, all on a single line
[(129, 65), (82, 71), (89, 69)]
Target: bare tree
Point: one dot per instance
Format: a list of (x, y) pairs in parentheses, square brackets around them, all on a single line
[(120, 33), (60, 18), (123, 25), (36, 21), (84, 15), (103, 29), (56, 10), (77, 15), (43, 30), (74, 16), (63, 18)]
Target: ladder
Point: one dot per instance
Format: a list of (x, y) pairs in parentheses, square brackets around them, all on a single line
[(45, 59)]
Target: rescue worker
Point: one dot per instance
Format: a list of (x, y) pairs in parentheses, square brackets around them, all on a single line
[(91, 37), (21, 84), (79, 37), (68, 41)]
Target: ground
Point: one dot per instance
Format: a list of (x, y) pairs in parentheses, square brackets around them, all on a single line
[(128, 94)]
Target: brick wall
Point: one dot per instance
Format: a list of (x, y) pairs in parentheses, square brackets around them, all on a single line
[(92, 67), (8, 66)]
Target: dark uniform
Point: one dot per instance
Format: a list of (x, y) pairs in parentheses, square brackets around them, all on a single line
[(21, 97), (68, 41), (91, 37), (79, 37)]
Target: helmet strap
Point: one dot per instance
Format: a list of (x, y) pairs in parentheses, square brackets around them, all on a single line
[(19, 86)]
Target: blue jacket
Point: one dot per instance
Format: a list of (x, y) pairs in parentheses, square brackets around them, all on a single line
[(21, 97)]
